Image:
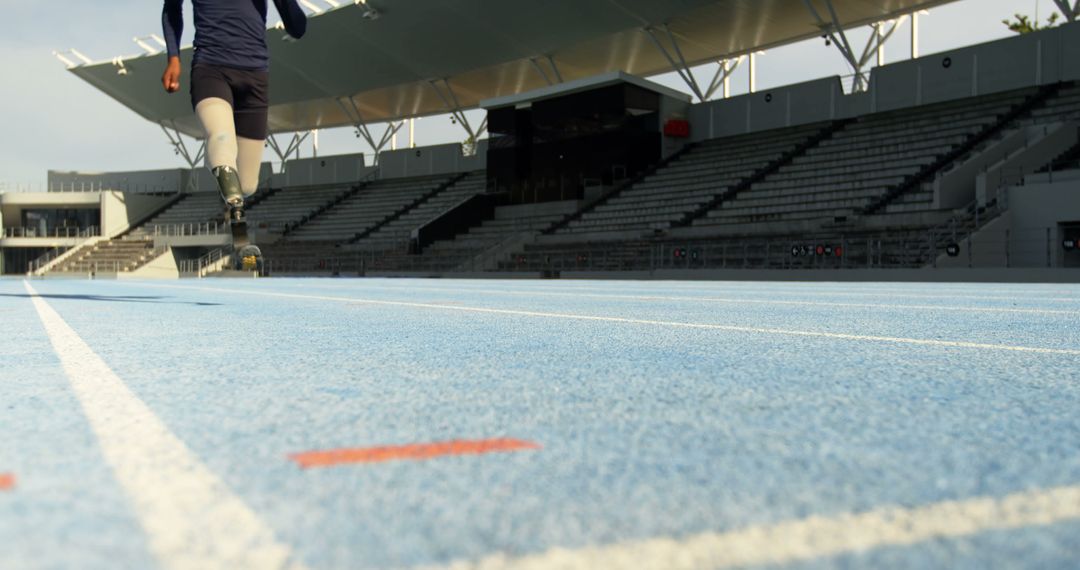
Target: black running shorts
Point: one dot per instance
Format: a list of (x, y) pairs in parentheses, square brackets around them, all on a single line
[(247, 91)]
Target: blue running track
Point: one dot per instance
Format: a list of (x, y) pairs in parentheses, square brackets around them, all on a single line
[(681, 411)]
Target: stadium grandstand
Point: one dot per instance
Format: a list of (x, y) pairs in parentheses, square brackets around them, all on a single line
[(631, 318), (580, 166)]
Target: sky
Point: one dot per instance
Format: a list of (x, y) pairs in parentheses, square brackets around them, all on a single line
[(53, 120)]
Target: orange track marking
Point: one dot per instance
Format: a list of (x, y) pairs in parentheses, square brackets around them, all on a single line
[(7, 481), (408, 452)]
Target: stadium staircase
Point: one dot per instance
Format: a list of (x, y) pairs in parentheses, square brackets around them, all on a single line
[(394, 230), (917, 181), (111, 256), (290, 208), (372, 223), (471, 250), (783, 160), (863, 189), (364, 209), (1068, 160), (190, 212), (135, 247), (714, 168), (618, 189), (859, 166)]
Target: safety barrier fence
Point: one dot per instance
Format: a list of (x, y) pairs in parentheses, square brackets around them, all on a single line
[(112, 265), (1009, 249), (46, 258), (61, 232), (1028, 248), (86, 186), (187, 230), (202, 266)]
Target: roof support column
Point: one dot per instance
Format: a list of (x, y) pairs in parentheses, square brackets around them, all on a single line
[(834, 34), (1071, 13), (363, 132), (915, 35), (722, 79), (293, 148), (180, 149), (387, 136), (554, 68), (675, 57), (453, 105), (752, 75)]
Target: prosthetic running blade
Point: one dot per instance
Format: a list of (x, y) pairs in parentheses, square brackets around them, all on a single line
[(246, 256)]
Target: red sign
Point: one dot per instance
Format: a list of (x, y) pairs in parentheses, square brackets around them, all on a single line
[(677, 128)]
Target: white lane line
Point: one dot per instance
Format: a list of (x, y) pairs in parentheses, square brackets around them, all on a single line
[(731, 301), (763, 289), (807, 539), (191, 518), (579, 317), (896, 295), (832, 289)]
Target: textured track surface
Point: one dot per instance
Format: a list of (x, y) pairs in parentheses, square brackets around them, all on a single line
[(628, 425)]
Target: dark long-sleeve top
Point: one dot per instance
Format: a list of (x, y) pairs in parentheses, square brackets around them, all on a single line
[(230, 33)]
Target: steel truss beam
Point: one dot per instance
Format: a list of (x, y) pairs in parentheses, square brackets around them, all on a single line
[(293, 148), (836, 35), (674, 56), (535, 61), (181, 150), (450, 99), (362, 130), (1071, 13)]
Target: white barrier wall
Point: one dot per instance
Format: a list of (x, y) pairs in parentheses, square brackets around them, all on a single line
[(142, 181), (430, 160), (338, 169), (119, 210), (1013, 63), (202, 180), (1039, 209)]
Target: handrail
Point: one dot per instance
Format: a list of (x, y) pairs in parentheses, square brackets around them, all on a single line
[(457, 219), (84, 186), (189, 229), (62, 232), (439, 189), (48, 257), (785, 158), (201, 267), (960, 150), (618, 189), (912, 250)]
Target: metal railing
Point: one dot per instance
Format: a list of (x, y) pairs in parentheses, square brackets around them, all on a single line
[(1006, 249), (95, 267), (27, 187), (47, 258), (201, 267), (187, 230), (343, 263), (61, 232), (86, 186)]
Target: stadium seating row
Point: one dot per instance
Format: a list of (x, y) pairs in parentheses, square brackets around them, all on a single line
[(817, 175)]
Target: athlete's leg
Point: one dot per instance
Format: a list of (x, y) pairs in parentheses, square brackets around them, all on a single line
[(249, 162), (216, 116), (252, 94)]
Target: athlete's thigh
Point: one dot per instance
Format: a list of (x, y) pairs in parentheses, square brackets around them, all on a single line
[(210, 82), (251, 94)]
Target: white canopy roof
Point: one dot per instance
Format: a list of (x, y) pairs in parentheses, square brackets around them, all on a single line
[(351, 69)]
